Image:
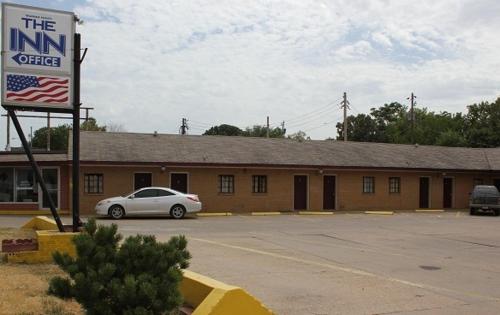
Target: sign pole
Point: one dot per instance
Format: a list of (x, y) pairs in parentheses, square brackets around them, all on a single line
[(76, 133), (36, 169)]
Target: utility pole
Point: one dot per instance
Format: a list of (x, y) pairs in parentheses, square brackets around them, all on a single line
[(345, 106), (412, 115), (283, 129), (267, 129), (184, 126), (48, 131)]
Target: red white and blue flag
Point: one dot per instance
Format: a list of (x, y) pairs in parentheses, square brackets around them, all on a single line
[(39, 89)]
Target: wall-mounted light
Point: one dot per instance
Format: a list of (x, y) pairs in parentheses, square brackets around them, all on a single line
[(320, 172), (163, 168)]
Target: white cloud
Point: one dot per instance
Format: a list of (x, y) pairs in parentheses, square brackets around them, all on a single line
[(150, 63)]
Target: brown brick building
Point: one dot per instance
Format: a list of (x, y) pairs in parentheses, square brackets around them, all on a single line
[(244, 174)]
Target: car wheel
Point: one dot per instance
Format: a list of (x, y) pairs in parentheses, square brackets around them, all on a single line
[(116, 212), (178, 212), (472, 211)]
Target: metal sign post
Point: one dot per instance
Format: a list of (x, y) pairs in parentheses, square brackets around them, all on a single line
[(76, 133), (41, 72)]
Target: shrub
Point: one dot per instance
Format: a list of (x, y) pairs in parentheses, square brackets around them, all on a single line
[(140, 277)]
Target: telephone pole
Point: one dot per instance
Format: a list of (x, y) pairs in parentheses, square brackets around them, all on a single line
[(267, 128), (345, 106), (412, 115), (283, 129), (184, 126)]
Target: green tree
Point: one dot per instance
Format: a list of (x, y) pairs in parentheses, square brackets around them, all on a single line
[(58, 138), (140, 277), (299, 136), (91, 125), (59, 135), (223, 130), (482, 124), (361, 127), (261, 131)]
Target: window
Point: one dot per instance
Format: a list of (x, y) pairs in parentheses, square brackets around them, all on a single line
[(226, 184), (93, 184), (478, 181), (259, 184), (368, 184), (6, 185), (26, 186), (164, 193), (147, 193), (394, 185)]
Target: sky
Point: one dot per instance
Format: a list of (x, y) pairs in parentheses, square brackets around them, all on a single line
[(151, 63)]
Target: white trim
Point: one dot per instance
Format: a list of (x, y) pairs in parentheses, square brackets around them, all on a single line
[(187, 180), (133, 180), (307, 191)]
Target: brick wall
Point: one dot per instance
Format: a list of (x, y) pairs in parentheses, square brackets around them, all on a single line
[(118, 180)]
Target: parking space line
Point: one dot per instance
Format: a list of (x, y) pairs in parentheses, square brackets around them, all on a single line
[(354, 271)]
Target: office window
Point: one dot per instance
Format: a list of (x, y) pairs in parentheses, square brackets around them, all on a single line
[(368, 184), (394, 185), (259, 184), (226, 184), (93, 184), (26, 186), (478, 181), (6, 184)]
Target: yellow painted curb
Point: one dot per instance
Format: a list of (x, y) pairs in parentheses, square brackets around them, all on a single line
[(315, 212), (211, 297), (49, 240), (380, 212), (31, 212), (266, 213), (214, 214), (429, 210)]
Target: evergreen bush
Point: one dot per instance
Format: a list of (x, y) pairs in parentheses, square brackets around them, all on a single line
[(140, 277)]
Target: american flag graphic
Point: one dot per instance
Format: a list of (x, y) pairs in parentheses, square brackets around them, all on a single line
[(30, 88)]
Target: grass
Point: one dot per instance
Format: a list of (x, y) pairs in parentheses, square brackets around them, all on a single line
[(23, 287)]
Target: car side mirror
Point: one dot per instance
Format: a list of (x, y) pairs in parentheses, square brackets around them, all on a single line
[(131, 197)]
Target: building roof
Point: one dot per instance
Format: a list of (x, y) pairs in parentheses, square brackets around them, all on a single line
[(112, 147), (21, 157)]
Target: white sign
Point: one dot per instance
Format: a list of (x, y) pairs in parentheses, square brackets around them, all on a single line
[(37, 57)]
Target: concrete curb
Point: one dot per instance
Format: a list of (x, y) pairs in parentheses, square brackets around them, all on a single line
[(210, 297), (265, 213), (315, 212), (32, 212), (214, 214), (380, 212), (429, 210)]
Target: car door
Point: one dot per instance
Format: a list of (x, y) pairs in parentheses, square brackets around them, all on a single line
[(143, 202), (166, 200)]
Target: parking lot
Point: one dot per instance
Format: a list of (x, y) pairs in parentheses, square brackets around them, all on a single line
[(446, 263)]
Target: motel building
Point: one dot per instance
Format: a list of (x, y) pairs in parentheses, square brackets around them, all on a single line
[(243, 174)]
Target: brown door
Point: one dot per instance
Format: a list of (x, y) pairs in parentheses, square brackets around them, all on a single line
[(142, 180), (424, 193), (300, 192), (329, 192), (447, 192), (179, 182)]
